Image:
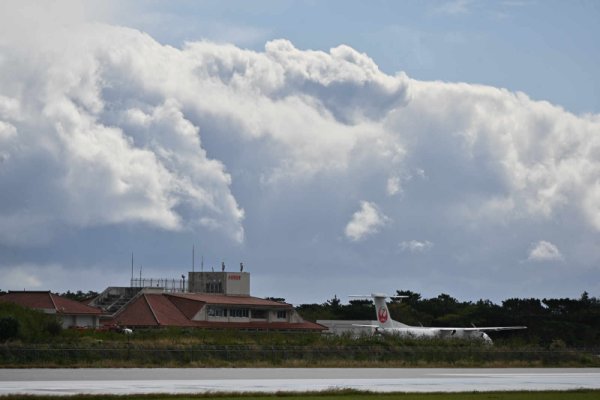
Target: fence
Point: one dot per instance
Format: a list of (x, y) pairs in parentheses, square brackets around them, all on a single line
[(167, 284), (38, 355)]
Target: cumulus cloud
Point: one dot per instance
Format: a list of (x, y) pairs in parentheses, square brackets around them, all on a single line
[(532, 157), (115, 121), (365, 222), (544, 251), (104, 126), (416, 246), (80, 149), (43, 276)]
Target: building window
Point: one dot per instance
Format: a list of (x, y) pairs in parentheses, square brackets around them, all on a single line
[(216, 312), (214, 287), (282, 314), (259, 314), (239, 312)]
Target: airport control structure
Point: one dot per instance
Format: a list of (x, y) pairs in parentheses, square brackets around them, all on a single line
[(205, 299)]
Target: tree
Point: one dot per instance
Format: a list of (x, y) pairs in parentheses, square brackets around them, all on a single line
[(412, 299), (334, 303), (9, 328), (277, 299), (79, 295)]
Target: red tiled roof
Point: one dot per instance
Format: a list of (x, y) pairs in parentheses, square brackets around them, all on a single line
[(68, 306), (165, 312), (37, 300), (246, 301), (136, 313), (48, 301), (189, 307), (153, 310)]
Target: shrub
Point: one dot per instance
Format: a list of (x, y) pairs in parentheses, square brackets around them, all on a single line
[(53, 327), (557, 344), (9, 328), (33, 325)]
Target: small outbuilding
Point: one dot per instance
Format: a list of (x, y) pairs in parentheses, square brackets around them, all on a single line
[(71, 313)]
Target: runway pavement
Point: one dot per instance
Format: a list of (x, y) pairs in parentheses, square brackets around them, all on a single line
[(201, 380)]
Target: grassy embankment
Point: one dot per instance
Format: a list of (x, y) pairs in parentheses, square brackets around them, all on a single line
[(199, 348)]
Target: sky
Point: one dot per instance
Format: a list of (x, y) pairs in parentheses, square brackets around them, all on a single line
[(335, 148)]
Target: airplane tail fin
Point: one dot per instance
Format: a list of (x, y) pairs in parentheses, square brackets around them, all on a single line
[(382, 313)]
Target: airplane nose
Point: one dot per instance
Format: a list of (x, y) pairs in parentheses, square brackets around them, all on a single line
[(486, 338)]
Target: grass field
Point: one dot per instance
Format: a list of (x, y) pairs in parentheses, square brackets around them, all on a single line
[(341, 395), (203, 348)]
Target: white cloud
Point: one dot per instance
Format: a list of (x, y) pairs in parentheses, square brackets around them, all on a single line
[(117, 120), (415, 246), (455, 7), (95, 164), (544, 251), (365, 222), (393, 185), (533, 158), (36, 276), (115, 124), (23, 277), (103, 128)]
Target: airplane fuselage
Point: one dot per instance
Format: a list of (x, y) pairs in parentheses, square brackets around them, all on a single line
[(422, 332), (387, 326)]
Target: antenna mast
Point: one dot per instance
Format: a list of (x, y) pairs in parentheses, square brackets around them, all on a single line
[(193, 253), (131, 281)]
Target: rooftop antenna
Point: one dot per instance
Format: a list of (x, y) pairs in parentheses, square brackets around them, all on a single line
[(202, 264), (193, 261), (131, 281), (141, 275)]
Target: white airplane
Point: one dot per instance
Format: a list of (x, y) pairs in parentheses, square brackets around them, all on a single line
[(387, 326)]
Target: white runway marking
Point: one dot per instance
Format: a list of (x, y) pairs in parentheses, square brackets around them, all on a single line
[(136, 381)]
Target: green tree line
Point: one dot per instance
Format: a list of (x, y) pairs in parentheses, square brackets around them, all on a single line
[(572, 322)]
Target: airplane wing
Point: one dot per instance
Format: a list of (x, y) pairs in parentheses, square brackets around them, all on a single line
[(368, 326), (484, 328)]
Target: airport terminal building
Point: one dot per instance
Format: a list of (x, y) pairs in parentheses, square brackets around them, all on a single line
[(209, 300), (212, 300)]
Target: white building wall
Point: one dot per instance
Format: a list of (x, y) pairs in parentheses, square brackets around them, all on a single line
[(87, 321), (229, 283), (237, 283)]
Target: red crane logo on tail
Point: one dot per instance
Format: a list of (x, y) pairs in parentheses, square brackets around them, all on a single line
[(382, 315)]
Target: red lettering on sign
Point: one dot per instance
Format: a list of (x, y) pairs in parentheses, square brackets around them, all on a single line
[(234, 277)]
